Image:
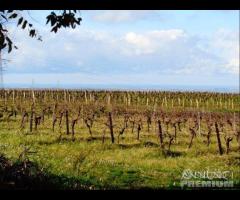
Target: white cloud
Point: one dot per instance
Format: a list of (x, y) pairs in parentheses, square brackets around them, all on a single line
[(226, 44), (163, 51), (132, 51), (150, 42), (138, 43), (113, 16), (125, 15), (233, 66), (171, 34), (138, 40)]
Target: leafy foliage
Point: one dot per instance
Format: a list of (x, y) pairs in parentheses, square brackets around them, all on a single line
[(66, 19)]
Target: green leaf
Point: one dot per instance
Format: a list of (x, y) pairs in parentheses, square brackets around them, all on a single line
[(9, 40), (53, 21), (3, 16), (14, 15), (3, 46), (24, 24), (40, 38), (32, 33), (54, 29), (2, 39), (48, 19), (20, 21), (9, 47)]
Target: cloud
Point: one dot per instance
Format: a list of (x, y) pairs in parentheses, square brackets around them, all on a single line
[(225, 43), (170, 34), (139, 44), (125, 16), (111, 16), (233, 66), (151, 42), (128, 56)]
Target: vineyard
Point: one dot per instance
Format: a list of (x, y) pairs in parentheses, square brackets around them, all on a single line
[(120, 139)]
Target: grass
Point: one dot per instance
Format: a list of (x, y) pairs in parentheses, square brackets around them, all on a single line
[(89, 164)]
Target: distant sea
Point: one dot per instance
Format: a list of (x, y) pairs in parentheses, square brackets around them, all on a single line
[(200, 88)]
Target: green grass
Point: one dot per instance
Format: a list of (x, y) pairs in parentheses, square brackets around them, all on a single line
[(129, 164)]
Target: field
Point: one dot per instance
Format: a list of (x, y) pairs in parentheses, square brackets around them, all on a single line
[(77, 139)]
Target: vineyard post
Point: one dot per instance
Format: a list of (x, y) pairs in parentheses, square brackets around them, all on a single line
[(103, 136), (199, 124), (93, 97), (138, 130), (193, 134), (5, 97), (17, 95), (111, 126), (129, 100), (73, 125), (82, 117), (175, 132), (90, 97), (65, 96), (67, 121), (73, 98), (154, 108), (33, 96), (234, 123), (31, 117), (218, 139), (197, 103), (160, 134), (13, 96), (154, 116), (109, 100), (228, 140), (85, 96), (45, 96)]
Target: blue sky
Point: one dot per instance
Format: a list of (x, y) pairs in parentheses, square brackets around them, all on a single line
[(130, 47)]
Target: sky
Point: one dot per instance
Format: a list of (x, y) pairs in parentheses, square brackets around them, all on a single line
[(141, 48)]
